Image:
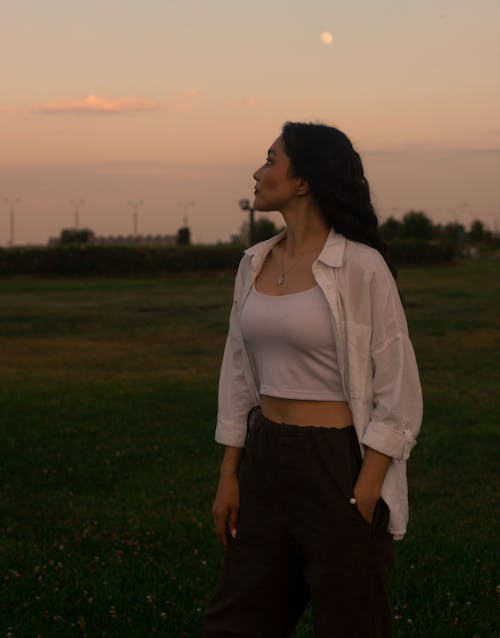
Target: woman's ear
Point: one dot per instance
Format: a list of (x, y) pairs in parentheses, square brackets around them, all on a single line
[(302, 187)]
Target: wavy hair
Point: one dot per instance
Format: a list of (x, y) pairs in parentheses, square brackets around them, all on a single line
[(326, 159)]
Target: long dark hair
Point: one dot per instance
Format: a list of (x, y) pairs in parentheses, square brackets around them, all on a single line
[(326, 159)]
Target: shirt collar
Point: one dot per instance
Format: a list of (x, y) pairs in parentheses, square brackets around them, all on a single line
[(332, 253)]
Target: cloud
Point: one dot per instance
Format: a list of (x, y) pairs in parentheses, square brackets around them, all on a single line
[(95, 105)]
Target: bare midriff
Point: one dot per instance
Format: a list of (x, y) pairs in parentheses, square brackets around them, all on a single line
[(327, 414)]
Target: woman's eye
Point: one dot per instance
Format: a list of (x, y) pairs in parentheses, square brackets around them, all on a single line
[(268, 160)]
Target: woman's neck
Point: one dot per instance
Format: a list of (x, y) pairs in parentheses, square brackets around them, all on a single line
[(307, 230)]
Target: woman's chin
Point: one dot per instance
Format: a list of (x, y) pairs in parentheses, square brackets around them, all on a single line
[(261, 206)]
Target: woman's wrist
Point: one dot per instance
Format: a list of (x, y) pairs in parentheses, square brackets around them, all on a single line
[(366, 491), (228, 474), (231, 462), (372, 474)]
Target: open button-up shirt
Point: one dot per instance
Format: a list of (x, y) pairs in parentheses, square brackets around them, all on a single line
[(375, 356)]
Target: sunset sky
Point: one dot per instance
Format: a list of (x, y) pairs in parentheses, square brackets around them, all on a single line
[(175, 102)]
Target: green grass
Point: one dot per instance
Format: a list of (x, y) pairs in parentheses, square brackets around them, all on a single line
[(108, 466)]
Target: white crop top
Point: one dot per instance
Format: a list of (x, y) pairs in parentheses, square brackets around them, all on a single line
[(290, 339)]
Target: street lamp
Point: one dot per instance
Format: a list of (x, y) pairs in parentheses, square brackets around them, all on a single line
[(76, 203), (185, 206), (11, 202), (245, 205), (135, 204)]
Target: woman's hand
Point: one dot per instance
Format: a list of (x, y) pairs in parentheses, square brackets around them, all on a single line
[(369, 484), (226, 507), (366, 503)]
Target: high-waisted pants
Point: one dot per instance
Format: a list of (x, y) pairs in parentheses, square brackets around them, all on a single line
[(300, 538)]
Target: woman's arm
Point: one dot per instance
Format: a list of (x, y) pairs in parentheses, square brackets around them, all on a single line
[(226, 505), (237, 395), (396, 414), (369, 483), (237, 390)]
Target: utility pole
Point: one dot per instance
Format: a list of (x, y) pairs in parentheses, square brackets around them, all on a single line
[(12, 202), (76, 203), (135, 204)]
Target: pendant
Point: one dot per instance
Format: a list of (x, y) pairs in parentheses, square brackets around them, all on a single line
[(281, 279)]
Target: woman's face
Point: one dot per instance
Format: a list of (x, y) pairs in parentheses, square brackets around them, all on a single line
[(275, 187)]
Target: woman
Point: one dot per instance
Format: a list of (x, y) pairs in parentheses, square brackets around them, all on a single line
[(318, 342)]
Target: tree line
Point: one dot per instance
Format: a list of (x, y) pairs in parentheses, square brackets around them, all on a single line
[(417, 225), (413, 240)]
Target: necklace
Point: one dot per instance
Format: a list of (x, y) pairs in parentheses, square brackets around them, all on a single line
[(284, 273)]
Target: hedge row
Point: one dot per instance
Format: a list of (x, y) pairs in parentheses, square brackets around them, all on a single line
[(125, 260), (411, 252), (116, 260)]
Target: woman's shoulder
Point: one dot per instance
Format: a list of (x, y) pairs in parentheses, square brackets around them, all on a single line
[(256, 254), (362, 258), (263, 247)]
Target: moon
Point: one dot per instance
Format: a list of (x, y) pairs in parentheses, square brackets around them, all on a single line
[(326, 37)]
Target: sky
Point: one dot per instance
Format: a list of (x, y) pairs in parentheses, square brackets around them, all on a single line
[(175, 102)]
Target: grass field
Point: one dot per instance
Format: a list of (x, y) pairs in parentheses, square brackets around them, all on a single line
[(108, 466)]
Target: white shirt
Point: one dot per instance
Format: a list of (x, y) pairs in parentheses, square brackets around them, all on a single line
[(375, 355)]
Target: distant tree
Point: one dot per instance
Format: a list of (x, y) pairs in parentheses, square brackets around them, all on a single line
[(391, 229), (184, 236), (264, 229), (438, 231), (477, 231), (417, 224), (74, 236), (453, 231)]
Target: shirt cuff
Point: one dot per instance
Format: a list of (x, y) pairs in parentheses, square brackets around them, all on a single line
[(230, 433), (396, 443)]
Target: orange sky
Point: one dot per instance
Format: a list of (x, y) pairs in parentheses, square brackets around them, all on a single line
[(178, 102)]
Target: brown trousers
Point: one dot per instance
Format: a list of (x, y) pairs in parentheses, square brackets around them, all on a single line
[(300, 539)]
